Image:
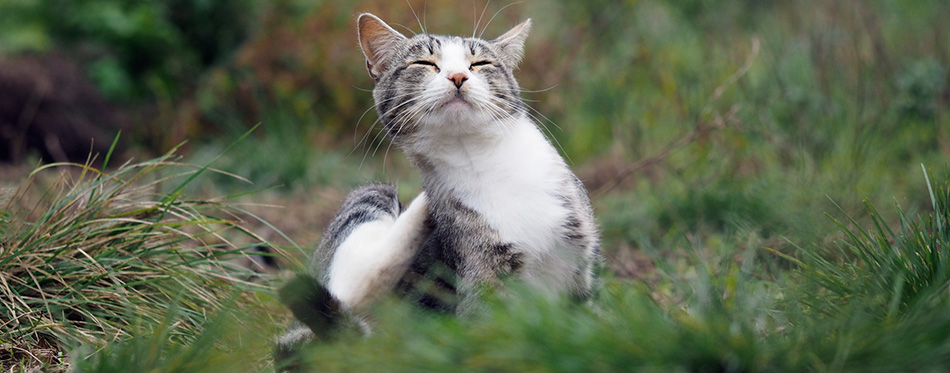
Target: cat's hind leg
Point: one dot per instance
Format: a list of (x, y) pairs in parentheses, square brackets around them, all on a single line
[(373, 246), (365, 250)]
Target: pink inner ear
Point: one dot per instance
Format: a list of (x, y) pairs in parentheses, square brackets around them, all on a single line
[(519, 31), (369, 69), (376, 39)]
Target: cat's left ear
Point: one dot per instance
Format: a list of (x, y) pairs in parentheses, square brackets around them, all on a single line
[(511, 43), (379, 43)]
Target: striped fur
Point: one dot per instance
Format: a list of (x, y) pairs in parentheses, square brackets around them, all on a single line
[(499, 202)]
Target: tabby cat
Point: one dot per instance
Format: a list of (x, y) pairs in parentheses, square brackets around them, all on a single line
[(498, 202)]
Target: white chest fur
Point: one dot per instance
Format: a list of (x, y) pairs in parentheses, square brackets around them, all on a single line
[(514, 182)]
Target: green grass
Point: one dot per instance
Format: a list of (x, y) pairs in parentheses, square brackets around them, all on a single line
[(899, 270), (880, 307), (221, 344), (97, 254)]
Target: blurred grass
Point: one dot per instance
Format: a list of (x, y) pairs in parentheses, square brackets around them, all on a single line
[(714, 136), (881, 309)]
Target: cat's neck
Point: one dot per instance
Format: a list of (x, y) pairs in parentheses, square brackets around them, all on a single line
[(516, 153)]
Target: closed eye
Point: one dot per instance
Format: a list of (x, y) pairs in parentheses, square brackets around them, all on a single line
[(479, 63), (426, 63)]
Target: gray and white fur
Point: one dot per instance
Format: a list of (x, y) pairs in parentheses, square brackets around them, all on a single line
[(498, 202)]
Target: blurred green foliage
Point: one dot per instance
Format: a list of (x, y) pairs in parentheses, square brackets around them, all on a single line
[(135, 49), (751, 114)]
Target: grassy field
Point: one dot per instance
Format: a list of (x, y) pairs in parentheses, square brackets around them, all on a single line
[(771, 180)]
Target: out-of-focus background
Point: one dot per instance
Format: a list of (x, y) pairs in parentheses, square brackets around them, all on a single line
[(731, 117), (702, 129)]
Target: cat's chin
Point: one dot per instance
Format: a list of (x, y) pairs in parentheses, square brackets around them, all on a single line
[(457, 104)]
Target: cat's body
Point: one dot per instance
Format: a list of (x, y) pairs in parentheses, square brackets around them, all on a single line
[(509, 206), (498, 199)]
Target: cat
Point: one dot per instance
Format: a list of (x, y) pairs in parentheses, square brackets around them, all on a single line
[(498, 201)]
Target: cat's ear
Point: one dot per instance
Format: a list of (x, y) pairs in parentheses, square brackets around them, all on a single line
[(511, 43), (378, 41)]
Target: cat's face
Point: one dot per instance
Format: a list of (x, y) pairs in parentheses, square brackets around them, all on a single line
[(437, 86)]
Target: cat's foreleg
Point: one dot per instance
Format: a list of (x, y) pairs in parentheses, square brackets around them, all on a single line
[(375, 255)]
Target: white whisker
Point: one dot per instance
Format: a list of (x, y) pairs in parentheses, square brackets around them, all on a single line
[(480, 17), (425, 21), (406, 28), (493, 17), (376, 139), (414, 14), (538, 91), (377, 120)]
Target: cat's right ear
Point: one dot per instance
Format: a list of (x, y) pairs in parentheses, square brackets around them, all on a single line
[(378, 41), (511, 43)]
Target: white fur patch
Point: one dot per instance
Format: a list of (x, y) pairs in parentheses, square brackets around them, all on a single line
[(504, 168), (454, 60), (372, 258), (512, 178)]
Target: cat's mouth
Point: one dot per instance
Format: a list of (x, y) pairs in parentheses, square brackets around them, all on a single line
[(457, 101)]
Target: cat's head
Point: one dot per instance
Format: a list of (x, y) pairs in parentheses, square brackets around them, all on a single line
[(433, 85)]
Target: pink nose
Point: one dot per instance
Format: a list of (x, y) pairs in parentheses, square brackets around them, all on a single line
[(458, 79)]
